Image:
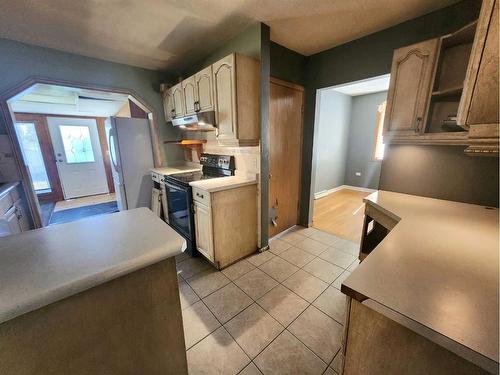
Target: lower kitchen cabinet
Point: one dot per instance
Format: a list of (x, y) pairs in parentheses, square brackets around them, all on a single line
[(226, 223)]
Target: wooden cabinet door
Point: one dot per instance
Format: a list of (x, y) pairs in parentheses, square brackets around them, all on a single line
[(189, 95), (410, 86), (204, 90), (203, 230), (225, 97), (178, 100), (479, 104), (168, 105)]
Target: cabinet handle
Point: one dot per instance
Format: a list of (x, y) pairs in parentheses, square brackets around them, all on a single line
[(199, 195), (197, 107), (172, 113)]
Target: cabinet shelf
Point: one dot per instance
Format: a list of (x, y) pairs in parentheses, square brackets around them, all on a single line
[(447, 92), (189, 145)]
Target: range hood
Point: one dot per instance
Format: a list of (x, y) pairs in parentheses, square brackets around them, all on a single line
[(204, 121)]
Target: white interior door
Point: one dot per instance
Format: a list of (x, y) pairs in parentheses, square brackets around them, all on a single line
[(78, 155)]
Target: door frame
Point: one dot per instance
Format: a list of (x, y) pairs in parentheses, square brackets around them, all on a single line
[(45, 141), (300, 88), (8, 116), (57, 133)]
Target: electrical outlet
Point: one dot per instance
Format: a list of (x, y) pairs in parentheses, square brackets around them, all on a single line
[(358, 174)]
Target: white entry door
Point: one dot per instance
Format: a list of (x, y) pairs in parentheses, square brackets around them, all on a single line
[(78, 155)]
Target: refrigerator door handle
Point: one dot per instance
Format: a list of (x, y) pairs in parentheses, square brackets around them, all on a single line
[(112, 145)]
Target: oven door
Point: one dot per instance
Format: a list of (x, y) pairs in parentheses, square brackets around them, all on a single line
[(179, 208)]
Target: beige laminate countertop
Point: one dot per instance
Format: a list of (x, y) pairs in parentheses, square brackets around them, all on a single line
[(223, 183), (438, 268), (43, 266), (165, 171)]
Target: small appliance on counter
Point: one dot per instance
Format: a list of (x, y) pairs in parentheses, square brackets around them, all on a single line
[(179, 196)]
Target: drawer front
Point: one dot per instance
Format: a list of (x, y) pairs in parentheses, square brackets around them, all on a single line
[(201, 196), (156, 177)]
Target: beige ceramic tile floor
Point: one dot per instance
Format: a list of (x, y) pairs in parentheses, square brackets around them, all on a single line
[(277, 312)]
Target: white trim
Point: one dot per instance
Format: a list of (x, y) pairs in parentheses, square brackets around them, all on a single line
[(324, 193)]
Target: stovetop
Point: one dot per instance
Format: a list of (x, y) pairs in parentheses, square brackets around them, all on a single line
[(213, 166), (188, 177)]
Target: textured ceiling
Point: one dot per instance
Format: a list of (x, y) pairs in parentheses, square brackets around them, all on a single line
[(172, 34)]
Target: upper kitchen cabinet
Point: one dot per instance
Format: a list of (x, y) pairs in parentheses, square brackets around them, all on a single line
[(204, 90), (479, 111), (411, 73), (445, 90), (177, 93), (189, 95), (236, 81), (168, 104)]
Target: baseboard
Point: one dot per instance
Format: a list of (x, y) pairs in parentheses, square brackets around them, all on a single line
[(324, 193)]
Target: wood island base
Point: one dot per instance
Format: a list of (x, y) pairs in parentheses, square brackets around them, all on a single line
[(129, 325)]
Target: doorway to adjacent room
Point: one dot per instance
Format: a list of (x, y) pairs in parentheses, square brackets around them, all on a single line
[(347, 153), (63, 134)]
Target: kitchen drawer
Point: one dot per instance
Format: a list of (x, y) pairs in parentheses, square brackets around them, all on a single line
[(201, 196), (6, 202), (156, 177)]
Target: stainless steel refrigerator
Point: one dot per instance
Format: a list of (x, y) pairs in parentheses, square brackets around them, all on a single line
[(131, 154)]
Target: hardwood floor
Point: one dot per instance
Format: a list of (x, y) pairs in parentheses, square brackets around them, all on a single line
[(84, 201), (340, 213)]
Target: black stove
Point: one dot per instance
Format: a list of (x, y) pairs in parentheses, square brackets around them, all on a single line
[(179, 194), (212, 166)]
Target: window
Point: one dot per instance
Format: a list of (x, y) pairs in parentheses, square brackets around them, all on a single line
[(77, 144), (378, 150), (32, 155)]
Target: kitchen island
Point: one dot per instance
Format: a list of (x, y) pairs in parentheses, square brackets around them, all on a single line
[(425, 299), (96, 296)]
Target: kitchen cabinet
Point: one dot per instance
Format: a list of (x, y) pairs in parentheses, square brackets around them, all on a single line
[(189, 95), (479, 110), (13, 217), (168, 104), (226, 223), (231, 88), (203, 230), (204, 90), (411, 72), (445, 90), (237, 100), (178, 109)]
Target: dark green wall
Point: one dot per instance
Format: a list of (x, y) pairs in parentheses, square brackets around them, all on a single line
[(287, 65), (19, 61), (372, 56)]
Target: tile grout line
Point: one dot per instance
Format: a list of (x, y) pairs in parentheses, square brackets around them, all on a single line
[(285, 328)]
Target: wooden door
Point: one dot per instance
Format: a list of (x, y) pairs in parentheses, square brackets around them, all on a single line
[(203, 230), (189, 96), (225, 95), (178, 101), (285, 151), (410, 86), (168, 105), (204, 90)]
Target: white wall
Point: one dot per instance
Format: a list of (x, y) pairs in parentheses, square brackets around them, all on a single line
[(331, 139)]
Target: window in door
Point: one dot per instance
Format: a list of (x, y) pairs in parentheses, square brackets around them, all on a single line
[(32, 155), (77, 144), (378, 150)]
